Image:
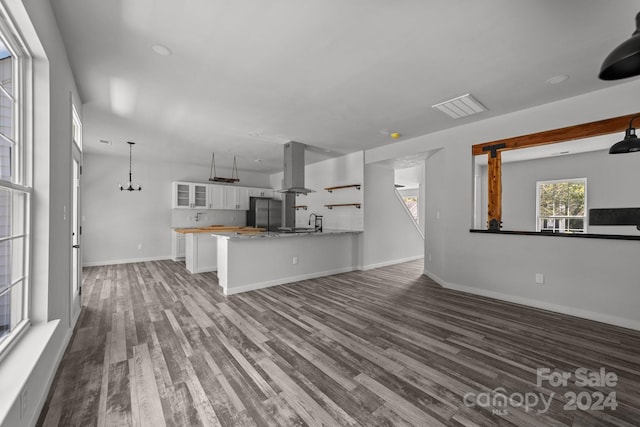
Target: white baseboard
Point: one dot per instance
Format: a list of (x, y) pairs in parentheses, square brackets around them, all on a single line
[(203, 270), (125, 261), (282, 281), (392, 262), (557, 308)]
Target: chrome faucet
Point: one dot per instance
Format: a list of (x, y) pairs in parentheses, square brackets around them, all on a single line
[(317, 225)]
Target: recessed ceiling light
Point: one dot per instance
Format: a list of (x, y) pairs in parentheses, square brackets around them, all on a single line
[(461, 106), (259, 160), (557, 79), (161, 50)]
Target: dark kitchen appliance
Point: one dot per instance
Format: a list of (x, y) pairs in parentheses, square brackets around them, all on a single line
[(264, 213)]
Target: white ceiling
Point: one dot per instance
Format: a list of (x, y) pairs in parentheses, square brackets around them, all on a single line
[(247, 76)]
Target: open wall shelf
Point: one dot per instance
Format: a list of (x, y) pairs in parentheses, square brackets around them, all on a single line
[(342, 187), (304, 207), (356, 205)]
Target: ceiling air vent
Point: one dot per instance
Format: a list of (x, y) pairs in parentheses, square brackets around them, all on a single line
[(462, 106)]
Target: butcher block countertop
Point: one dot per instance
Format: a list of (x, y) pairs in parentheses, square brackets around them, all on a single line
[(221, 229)]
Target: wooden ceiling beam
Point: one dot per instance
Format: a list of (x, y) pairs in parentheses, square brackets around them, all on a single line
[(585, 130)]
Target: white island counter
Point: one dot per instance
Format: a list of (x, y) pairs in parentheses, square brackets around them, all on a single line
[(247, 262)]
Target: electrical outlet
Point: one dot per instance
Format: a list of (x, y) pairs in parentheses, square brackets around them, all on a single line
[(294, 261), (139, 246), (23, 403), (539, 278)]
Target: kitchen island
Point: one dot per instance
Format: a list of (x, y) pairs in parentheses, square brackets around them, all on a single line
[(200, 245), (247, 262)]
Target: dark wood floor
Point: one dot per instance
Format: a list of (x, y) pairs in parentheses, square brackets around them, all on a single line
[(157, 346)]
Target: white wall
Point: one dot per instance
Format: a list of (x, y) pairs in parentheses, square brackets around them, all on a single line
[(344, 170), (612, 182), (435, 213), (32, 363), (390, 235), (592, 278), (115, 222)]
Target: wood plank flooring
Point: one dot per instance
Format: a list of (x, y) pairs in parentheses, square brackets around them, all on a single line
[(157, 346)]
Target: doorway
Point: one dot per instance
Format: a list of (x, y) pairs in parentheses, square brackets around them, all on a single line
[(76, 227)]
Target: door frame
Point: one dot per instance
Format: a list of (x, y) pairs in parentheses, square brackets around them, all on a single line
[(75, 265)]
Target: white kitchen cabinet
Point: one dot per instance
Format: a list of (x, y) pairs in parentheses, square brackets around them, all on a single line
[(178, 241), (217, 197), (228, 197), (190, 195), (242, 198), (260, 192), (201, 253)]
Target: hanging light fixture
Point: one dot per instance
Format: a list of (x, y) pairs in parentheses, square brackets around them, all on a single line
[(129, 186), (623, 61), (629, 144)]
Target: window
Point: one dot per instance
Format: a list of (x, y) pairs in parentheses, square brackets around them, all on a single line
[(15, 190), (561, 206), (412, 205), (76, 130)]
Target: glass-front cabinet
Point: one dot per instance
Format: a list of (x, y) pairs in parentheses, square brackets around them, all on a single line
[(187, 195), (190, 195)]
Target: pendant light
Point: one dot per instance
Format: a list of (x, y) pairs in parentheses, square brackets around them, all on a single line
[(129, 186), (623, 61), (629, 144)]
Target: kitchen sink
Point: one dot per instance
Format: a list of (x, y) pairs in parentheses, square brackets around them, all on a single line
[(296, 230)]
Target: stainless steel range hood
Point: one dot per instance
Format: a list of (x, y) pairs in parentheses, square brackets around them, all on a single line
[(293, 181)]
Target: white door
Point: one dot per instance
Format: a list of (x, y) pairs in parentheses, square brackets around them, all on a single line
[(76, 230)]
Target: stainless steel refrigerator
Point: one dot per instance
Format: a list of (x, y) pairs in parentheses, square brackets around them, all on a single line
[(264, 213)]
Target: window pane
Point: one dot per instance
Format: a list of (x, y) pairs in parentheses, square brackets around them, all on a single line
[(17, 258), (5, 265), (576, 224), (12, 212), (6, 154), (561, 206), (6, 114), (17, 312), (5, 314), (6, 68), (5, 212)]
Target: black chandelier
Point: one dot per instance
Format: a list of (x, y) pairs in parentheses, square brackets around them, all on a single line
[(129, 186)]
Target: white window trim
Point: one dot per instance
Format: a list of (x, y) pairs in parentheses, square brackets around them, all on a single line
[(556, 181), (23, 167)]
